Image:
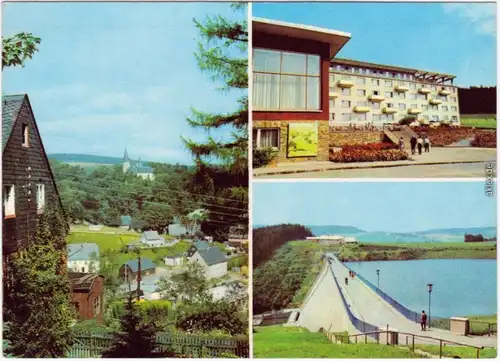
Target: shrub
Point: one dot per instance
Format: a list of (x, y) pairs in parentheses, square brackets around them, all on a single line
[(263, 156), (407, 120)]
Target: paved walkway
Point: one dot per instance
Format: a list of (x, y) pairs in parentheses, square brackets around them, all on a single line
[(437, 156), (373, 309)]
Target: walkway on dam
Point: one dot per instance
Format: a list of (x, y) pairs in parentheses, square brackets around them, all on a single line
[(369, 307)]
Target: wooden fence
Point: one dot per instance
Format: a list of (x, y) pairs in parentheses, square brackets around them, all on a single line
[(90, 344)]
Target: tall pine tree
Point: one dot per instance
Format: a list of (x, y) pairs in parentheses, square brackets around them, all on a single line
[(222, 165), (37, 310)]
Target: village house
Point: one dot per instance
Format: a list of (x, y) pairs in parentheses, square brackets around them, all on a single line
[(83, 257), (130, 270), (174, 260), (126, 222), (87, 295), (152, 239), (332, 239), (212, 259), (28, 182), (197, 245)]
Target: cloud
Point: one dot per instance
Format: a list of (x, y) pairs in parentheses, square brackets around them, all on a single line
[(480, 16)]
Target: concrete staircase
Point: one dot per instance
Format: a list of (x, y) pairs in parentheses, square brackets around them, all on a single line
[(397, 133)]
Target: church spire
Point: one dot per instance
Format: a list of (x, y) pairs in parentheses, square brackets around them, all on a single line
[(125, 156)]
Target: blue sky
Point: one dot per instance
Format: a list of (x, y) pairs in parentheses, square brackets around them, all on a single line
[(453, 38), (114, 74), (375, 206)]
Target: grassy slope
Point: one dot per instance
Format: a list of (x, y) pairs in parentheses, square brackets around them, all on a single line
[(461, 351), (113, 243), (407, 251), (478, 122), (297, 342)]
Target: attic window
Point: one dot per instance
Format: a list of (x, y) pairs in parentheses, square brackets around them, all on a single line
[(25, 135), (40, 197)]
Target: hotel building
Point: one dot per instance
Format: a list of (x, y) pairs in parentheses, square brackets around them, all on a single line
[(300, 90)]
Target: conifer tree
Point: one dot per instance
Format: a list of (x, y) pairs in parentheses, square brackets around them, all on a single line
[(222, 165), (37, 310), (135, 339)]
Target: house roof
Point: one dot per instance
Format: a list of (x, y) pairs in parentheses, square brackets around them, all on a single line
[(11, 104), (212, 255), (151, 235), (201, 245), (146, 263), (82, 281), (82, 251), (126, 220)]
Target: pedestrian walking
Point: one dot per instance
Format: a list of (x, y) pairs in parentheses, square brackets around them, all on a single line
[(413, 144), (423, 321), (346, 281), (401, 144), (420, 142), (427, 144)]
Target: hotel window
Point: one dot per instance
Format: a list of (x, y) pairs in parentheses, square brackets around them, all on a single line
[(425, 107), (413, 86), (361, 103), (453, 99), (453, 108), (284, 80), (454, 118), (375, 105), (346, 116), (331, 78), (388, 83), (332, 89), (346, 91), (331, 103), (402, 106), (445, 117), (266, 138), (402, 95), (426, 117), (361, 117), (9, 201), (375, 82), (26, 135), (413, 96), (422, 96), (360, 92), (390, 117), (443, 98), (332, 116), (346, 103), (433, 88), (435, 118), (413, 106), (346, 77), (375, 117), (402, 83), (338, 67), (361, 81), (40, 197), (434, 107), (388, 94), (383, 117), (444, 108)]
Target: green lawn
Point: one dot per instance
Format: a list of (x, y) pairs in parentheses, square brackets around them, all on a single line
[(432, 245), (481, 328), (461, 351), (479, 122), (297, 342), (85, 229)]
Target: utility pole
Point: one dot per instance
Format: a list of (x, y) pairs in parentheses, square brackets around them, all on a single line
[(138, 277)]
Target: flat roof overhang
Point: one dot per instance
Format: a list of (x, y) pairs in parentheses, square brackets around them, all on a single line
[(336, 39)]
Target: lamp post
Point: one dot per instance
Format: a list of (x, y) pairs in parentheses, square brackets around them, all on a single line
[(378, 278), (429, 288)]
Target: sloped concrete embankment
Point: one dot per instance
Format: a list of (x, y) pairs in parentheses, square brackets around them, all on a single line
[(323, 307)]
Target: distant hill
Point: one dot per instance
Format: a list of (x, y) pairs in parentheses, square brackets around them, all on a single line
[(485, 231), (85, 158)]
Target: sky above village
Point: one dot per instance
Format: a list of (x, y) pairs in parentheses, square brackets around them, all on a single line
[(458, 39), (375, 206), (110, 75)]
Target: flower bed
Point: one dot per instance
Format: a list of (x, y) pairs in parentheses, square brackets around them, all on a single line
[(368, 153), (485, 139), (443, 136)]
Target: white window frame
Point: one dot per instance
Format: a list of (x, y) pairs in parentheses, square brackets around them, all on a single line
[(40, 197), (9, 202), (96, 305), (25, 128), (258, 137)]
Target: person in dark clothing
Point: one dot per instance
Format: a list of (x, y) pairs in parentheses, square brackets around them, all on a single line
[(401, 144), (423, 321), (413, 144), (346, 281), (420, 143)]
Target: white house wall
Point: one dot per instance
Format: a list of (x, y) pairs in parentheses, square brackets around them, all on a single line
[(83, 266), (217, 270)]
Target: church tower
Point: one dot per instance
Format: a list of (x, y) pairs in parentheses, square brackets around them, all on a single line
[(126, 161)]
